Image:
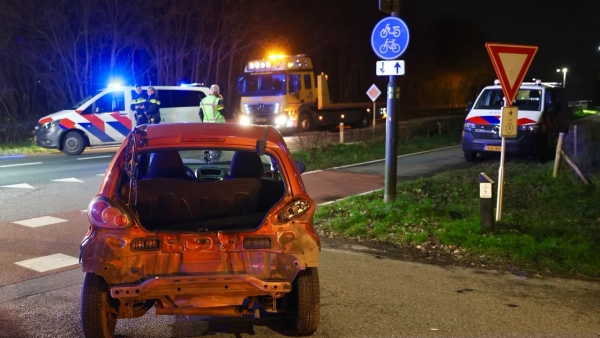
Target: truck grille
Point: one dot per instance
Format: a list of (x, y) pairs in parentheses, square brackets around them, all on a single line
[(261, 109)]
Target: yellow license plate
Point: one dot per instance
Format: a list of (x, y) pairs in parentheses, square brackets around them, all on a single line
[(493, 148), (261, 119)]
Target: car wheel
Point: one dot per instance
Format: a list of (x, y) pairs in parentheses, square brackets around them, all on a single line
[(305, 302), (305, 122), (73, 143), (470, 156), (98, 309)]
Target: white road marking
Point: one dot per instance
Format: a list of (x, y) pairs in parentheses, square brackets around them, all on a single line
[(19, 164), (341, 199), (100, 175), (84, 210), (40, 221), (70, 179), (92, 158), (17, 186), (47, 263)]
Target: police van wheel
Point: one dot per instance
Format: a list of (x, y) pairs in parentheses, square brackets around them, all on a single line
[(73, 144), (470, 156)]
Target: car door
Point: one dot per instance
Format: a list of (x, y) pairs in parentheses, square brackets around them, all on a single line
[(108, 120)]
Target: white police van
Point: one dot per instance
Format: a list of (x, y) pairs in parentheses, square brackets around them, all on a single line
[(543, 113), (105, 119)]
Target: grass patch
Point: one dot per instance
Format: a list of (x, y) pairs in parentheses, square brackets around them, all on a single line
[(342, 154), (26, 148), (547, 224), (580, 113)]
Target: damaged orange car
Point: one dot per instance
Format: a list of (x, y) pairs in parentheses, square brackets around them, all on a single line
[(201, 219)]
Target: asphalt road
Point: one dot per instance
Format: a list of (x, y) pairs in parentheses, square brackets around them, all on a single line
[(365, 293)]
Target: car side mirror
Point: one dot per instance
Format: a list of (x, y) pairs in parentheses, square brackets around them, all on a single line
[(469, 105), (301, 167)]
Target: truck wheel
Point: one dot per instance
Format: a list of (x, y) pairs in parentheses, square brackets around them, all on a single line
[(98, 313), (305, 302), (73, 143), (470, 156), (305, 122), (363, 121)]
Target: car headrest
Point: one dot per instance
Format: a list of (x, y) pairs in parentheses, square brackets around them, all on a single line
[(166, 164), (245, 164)]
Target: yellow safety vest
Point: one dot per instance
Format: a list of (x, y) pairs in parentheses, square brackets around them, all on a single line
[(212, 110)]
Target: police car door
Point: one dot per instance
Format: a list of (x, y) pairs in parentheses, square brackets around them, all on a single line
[(109, 120)]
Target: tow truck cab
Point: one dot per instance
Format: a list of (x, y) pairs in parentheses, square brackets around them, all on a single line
[(283, 91), (542, 114)]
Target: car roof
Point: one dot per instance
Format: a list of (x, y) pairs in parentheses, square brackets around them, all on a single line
[(195, 134)]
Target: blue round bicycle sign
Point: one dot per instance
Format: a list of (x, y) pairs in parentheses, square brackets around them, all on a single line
[(389, 38)]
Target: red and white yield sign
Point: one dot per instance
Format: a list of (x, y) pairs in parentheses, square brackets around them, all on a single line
[(511, 63)]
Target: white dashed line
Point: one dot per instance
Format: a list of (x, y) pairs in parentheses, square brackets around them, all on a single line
[(47, 263), (100, 175), (70, 179), (19, 164), (17, 186), (92, 158), (40, 221)]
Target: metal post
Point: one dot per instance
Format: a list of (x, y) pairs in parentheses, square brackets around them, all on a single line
[(374, 115), (486, 203), (575, 139), (391, 133), (342, 132), (501, 177)]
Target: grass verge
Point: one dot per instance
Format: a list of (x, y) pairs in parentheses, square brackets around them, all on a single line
[(549, 225), (343, 154), (26, 148)]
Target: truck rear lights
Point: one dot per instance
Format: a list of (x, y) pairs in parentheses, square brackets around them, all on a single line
[(147, 244), (257, 243), (293, 210), (105, 213)]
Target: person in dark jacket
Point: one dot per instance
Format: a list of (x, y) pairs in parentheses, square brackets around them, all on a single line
[(153, 106), (137, 105)]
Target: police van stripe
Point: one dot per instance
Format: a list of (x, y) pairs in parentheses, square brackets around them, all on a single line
[(95, 131), (118, 126)]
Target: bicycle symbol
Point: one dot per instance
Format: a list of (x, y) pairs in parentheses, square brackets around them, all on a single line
[(396, 32), (389, 44)]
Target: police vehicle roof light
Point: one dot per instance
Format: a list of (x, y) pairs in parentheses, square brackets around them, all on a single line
[(496, 82)]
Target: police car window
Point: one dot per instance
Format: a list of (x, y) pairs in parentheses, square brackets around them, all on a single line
[(186, 98), (164, 96), (110, 102)]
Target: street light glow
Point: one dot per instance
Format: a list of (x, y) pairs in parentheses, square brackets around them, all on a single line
[(564, 70)]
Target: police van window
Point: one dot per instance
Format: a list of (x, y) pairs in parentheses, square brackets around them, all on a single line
[(294, 81), (494, 99), (307, 82), (164, 96), (186, 98), (552, 100), (109, 103)]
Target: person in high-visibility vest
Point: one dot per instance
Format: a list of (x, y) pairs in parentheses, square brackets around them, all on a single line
[(211, 107)]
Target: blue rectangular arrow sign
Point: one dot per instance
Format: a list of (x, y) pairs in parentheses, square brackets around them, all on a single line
[(386, 68)]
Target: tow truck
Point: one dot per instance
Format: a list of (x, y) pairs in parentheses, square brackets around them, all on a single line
[(281, 91)]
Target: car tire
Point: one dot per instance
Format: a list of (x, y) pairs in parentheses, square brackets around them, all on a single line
[(98, 312), (305, 303), (73, 143), (305, 122), (470, 156)]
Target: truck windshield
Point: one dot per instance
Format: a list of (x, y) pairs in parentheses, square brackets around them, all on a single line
[(261, 84), (526, 99)]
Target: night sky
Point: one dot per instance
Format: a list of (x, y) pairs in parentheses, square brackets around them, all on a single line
[(567, 34)]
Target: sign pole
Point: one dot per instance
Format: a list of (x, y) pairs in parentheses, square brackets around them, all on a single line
[(391, 133), (374, 115), (501, 178)]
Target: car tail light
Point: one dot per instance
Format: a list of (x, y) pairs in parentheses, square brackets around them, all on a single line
[(145, 244), (104, 212), (293, 210), (257, 243)]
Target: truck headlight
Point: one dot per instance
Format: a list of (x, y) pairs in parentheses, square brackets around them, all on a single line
[(276, 108), (281, 120), (244, 120), (246, 109)]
